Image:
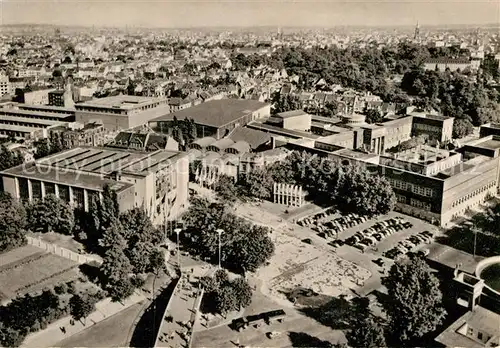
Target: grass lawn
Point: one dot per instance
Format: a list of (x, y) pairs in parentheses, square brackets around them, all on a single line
[(17, 255), (60, 239), (34, 272)]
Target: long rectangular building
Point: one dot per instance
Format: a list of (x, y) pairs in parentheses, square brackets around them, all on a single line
[(157, 181), (28, 124), (122, 111), (216, 118)]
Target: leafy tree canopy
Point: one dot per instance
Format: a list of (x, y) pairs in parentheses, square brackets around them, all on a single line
[(415, 307)]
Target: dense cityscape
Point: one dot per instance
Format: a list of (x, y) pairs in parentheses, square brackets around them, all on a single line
[(249, 187)]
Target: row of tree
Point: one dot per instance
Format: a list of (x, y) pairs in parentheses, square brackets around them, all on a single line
[(128, 243), (27, 314), (453, 94), (244, 247), (350, 186)]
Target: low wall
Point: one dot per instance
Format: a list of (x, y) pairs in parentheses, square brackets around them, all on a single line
[(60, 251)]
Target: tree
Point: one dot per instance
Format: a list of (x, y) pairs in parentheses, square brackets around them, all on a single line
[(368, 333), (226, 189), (225, 295), (137, 227), (10, 337), (115, 266), (113, 237), (157, 262), (81, 306), (140, 256), (373, 116), (252, 252), (283, 103), (9, 158), (121, 289), (241, 248), (225, 300), (51, 214), (257, 183), (415, 306), (12, 223), (242, 292), (364, 193), (462, 128), (103, 213), (42, 148)]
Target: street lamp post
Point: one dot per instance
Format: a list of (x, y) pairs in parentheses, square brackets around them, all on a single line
[(475, 241), (219, 232), (177, 231)]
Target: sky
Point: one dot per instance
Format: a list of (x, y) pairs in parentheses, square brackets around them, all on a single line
[(246, 13)]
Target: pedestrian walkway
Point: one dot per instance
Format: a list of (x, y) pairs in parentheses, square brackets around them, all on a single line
[(182, 308), (63, 329)]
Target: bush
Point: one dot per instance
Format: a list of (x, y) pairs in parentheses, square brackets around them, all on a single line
[(71, 287), (61, 289), (138, 281)]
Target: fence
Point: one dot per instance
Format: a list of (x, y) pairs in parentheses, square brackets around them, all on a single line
[(63, 252), (291, 195)]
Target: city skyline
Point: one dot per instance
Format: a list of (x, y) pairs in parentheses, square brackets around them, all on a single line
[(236, 13)]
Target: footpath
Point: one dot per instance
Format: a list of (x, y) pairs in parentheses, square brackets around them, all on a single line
[(62, 329), (183, 308)]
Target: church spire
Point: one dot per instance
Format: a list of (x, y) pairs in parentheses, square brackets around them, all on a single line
[(416, 35)]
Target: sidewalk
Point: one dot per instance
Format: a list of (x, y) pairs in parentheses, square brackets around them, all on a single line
[(53, 333)]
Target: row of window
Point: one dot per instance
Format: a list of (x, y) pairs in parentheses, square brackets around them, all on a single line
[(473, 194), (419, 204), (427, 127), (406, 186), (64, 193)]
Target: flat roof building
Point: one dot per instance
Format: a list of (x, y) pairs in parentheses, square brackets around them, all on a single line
[(30, 124), (122, 111), (157, 180), (216, 118)]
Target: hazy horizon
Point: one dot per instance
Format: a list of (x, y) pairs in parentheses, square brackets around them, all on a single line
[(249, 13)]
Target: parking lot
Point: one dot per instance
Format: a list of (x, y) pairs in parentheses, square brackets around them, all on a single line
[(371, 236)]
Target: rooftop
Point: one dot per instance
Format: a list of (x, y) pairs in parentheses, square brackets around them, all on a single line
[(492, 125), (292, 113), (41, 114), (423, 155), (355, 154), (481, 321), (253, 137), (46, 108), (282, 131), (76, 179), (216, 113), (491, 144), (125, 102), (104, 160)]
